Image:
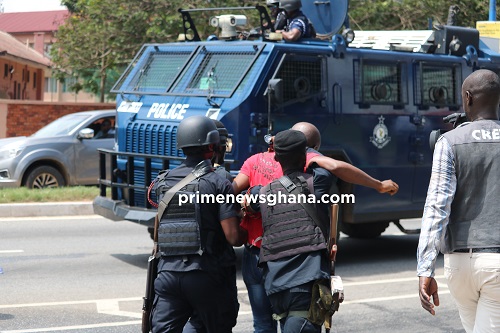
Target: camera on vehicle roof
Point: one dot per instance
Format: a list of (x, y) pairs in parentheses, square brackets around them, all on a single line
[(456, 119)]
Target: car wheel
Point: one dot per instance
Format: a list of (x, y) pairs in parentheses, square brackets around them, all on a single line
[(44, 176), (364, 230)]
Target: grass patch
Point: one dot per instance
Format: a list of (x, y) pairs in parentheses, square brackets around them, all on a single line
[(71, 193)]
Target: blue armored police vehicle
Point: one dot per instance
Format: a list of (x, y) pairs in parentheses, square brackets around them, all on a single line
[(374, 98)]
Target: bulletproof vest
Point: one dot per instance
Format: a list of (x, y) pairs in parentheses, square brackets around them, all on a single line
[(475, 210), (288, 227), (179, 229), (310, 31)]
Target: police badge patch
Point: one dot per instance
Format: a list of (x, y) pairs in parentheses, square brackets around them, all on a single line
[(380, 136)]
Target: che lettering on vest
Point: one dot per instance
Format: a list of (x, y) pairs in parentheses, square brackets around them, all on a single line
[(486, 134)]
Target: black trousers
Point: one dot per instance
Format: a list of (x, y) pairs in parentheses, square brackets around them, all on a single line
[(210, 298)]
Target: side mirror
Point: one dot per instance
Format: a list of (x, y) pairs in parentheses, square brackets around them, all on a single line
[(275, 90), (86, 133)]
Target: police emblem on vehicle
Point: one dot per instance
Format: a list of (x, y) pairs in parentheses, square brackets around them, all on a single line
[(380, 136)]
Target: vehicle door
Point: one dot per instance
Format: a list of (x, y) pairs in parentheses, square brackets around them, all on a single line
[(86, 155)]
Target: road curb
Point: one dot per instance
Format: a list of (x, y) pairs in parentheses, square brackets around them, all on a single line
[(46, 209)]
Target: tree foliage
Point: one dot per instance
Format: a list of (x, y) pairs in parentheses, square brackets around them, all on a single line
[(102, 36), (413, 14)]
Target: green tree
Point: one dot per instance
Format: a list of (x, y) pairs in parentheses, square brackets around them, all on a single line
[(413, 14), (102, 36)]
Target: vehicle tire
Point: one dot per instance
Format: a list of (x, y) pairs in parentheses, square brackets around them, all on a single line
[(43, 177), (364, 230)]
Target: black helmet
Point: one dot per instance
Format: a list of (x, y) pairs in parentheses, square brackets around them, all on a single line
[(290, 5), (223, 133), (196, 131)]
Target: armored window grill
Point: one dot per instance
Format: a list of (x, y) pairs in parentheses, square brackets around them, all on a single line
[(157, 71), (301, 78), (379, 83), (216, 73), (437, 85)]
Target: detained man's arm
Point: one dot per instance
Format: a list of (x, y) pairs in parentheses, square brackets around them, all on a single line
[(440, 194), (349, 173)]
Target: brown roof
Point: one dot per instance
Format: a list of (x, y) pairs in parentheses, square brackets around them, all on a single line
[(10, 46), (32, 21)]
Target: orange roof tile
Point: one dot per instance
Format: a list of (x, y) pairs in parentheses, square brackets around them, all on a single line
[(32, 21), (11, 46)]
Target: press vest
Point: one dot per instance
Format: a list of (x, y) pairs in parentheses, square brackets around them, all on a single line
[(288, 228), (475, 210)]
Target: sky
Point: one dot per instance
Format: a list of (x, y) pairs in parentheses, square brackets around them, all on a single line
[(10, 6)]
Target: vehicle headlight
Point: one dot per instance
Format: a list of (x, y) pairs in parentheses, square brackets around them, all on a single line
[(10, 152), (229, 144)]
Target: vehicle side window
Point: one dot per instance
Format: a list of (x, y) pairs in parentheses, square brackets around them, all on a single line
[(104, 128), (379, 82), (437, 85), (301, 77)]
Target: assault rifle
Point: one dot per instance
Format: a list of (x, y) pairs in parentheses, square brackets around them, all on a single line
[(335, 281), (147, 304)]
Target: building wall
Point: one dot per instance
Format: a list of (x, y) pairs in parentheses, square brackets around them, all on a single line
[(23, 118), (20, 81)]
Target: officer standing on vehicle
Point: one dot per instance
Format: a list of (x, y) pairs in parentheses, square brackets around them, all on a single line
[(298, 25), (278, 15), (292, 265), (461, 214), (196, 272)]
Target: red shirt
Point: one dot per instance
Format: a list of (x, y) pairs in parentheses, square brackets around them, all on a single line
[(261, 169)]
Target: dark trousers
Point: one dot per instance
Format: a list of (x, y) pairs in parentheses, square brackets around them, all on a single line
[(211, 298), (254, 280), (294, 299)]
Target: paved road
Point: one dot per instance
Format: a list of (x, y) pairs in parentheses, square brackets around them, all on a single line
[(87, 274)]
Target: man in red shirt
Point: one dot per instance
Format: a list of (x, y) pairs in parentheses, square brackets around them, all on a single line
[(261, 169)]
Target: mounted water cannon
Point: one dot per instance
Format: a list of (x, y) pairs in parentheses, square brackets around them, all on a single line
[(228, 24)]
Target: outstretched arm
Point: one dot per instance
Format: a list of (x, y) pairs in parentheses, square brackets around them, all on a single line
[(351, 174)]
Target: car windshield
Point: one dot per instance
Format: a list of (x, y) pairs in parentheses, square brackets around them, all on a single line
[(62, 126)]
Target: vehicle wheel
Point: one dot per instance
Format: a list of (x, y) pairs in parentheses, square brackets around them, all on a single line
[(364, 230), (43, 177)]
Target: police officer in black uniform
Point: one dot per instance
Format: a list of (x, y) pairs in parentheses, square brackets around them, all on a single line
[(196, 272), (294, 251), (220, 151)]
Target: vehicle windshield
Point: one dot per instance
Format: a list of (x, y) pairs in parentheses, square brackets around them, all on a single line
[(62, 126)]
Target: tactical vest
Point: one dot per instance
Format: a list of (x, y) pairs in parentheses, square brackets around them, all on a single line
[(288, 227), (309, 32), (180, 230), (474, 211)]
